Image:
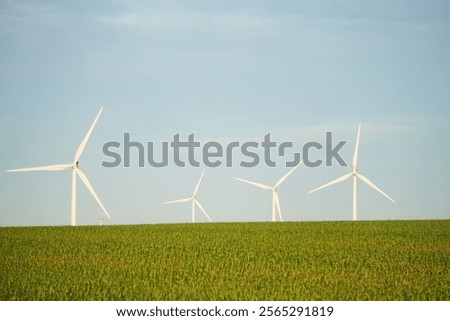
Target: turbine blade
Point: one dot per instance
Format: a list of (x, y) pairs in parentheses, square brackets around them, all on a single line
[(42, 168), (277, 203), (86, 138), (86, 182), (198, 183), (179, 201), (281, 180), (337, 180), (355, 154), (253, 183), (202, 209), (368, 182)]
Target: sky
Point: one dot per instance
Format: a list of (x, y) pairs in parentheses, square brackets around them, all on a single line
[(225, 71)]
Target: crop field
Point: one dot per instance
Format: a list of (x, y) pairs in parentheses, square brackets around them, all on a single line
[(380, 260)]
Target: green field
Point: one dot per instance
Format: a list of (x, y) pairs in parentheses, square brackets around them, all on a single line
[(382, 260)]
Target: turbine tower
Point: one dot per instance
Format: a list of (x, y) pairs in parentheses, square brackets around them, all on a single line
[(355, 174), (76, 171), (194, 200), (275, 198)]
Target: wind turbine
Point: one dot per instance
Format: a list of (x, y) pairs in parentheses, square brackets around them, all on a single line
[(275, 198), (355, 174), (75, 172), (194, 200)]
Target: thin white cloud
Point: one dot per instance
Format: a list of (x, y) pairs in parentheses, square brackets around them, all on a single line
[(183, 19), (31, 12), (149, 21), (20, 15)]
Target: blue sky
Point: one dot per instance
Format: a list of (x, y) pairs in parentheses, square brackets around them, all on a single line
[(226, 71)]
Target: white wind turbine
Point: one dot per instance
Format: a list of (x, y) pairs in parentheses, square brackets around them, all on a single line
[(194, 200), (275, 199), (355, 174), (75, 171)]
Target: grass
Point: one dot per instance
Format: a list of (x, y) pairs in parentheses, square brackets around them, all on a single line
[(382, 260)]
